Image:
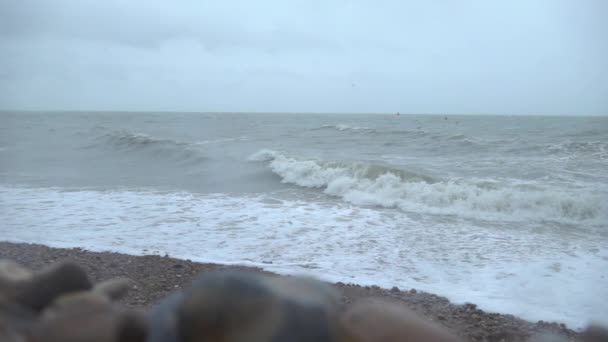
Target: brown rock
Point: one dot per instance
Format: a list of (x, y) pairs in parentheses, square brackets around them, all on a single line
[(89, 318), (595, 333), (376, 321), (51, 283)]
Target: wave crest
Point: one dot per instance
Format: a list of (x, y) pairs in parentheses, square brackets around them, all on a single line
[(127, 141), (376, 185), (345, 127), (594, 148)]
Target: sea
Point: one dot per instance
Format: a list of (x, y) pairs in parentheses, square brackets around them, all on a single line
[(507, 212)]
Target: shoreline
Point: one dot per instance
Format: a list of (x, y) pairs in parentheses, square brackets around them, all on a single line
[(154, 277)]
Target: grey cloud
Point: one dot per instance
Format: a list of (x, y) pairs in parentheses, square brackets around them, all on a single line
[(122, 22), (545, 56)]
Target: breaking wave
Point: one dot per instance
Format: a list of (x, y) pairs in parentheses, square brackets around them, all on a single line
[(345, 127), (376, 185), (170, 149), (593, 148)]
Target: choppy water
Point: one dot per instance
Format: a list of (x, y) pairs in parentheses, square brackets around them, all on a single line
[(507, 212)]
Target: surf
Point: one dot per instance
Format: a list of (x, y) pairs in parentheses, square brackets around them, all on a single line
[(370, 184)]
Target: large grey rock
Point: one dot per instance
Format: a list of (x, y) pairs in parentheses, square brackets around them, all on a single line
[(247, 306)]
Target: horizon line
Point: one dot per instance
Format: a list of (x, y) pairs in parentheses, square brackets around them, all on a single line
[(396, 113)]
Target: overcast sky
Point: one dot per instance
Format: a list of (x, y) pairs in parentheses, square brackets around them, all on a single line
[(424, 56)]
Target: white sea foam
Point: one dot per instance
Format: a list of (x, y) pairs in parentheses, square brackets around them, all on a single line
[(528, 272), (264, 155), (375, 185)]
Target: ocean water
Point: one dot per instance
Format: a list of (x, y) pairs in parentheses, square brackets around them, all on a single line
[(508, 212)]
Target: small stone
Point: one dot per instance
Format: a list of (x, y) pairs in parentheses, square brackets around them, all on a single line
[(413, 291), (177, 266), (470, 306), (441, 317), (394, 289)]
